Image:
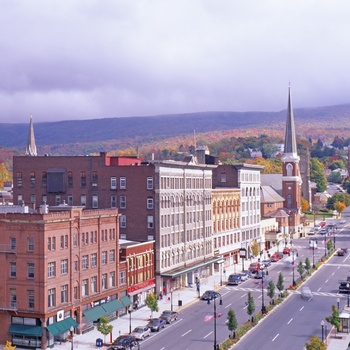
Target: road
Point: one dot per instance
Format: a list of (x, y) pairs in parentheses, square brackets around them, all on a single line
[(291, 323)]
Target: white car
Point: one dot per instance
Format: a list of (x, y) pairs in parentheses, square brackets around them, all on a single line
[(342, 221), (311, 232), (141, 333)]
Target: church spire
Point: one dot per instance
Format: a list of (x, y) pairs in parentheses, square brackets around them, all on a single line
[(31, 147), (290, 144)]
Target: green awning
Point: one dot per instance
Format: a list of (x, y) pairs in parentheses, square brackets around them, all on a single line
[(62, 326), (112, 306), (95, 313), (23, 329), (126, 301)]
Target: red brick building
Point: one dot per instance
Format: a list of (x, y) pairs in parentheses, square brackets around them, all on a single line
[(60, 269)]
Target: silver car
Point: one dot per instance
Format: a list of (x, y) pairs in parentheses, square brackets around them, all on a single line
[(140, 333)]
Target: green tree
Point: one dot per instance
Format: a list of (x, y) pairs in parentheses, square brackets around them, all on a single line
[(280, 284), (232, 323), (307, 265), (250, 305), (301, 269), (329, 244), (334, 319), (315, 344), (104, 327), (152, 302), (271, 290), (335, 177), (317, 174)]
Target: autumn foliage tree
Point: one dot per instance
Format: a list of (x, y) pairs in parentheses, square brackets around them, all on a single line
[(305, 205), (339, 207)]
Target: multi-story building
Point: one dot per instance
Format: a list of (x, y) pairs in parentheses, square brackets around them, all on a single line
[(59, 269), (166, 201)]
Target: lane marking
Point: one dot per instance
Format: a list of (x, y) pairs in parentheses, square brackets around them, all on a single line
[(243, 295), (208, 335), (228, 306), (275, 337), (319, 289), (186, 333), (301, 308), (290, 321), (326, 280)]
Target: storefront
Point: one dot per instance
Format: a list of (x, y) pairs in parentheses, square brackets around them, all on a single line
[(26, 332), (139, 292)]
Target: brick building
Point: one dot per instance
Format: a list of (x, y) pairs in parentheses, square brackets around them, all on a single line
[(60, 269)]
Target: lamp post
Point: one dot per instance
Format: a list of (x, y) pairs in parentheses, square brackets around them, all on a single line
[(347, 286), (171, 299), (322, 327), (313, 255), (334, 240), (338, 301), (263, 308), (221, 274), (293, 265), (72, 335), (216, 346), (325, 246), (130, 311)]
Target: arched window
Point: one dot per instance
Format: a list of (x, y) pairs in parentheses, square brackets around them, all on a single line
[(289, 169)]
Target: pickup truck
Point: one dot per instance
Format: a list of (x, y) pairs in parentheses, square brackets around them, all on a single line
[(169, 316)]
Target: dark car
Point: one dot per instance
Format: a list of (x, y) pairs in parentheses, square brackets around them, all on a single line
[(340, 252), (210, 294), (169, 316), (125, 342), (234, 279), (156, 324), (344, 287)]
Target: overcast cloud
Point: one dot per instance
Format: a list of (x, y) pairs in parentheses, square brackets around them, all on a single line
[(83, 59)]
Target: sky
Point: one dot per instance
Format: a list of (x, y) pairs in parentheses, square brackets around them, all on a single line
[(90, 59)]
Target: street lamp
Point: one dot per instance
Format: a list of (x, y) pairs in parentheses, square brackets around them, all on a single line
[(325, 246), (338, 301), (313, 255), (263, 308), (131, 308), (293, 265), (347, 286), (322, 327), (216, 346), (221, 274), (171, 299), (334, 240), (72, 335)]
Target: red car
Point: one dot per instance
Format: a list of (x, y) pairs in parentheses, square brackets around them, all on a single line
[(254, 267), (275, 257), (340, 252), (286, 251)]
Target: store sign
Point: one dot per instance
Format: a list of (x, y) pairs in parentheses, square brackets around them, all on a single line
[(141, 285), (243, 253), (60, 315)]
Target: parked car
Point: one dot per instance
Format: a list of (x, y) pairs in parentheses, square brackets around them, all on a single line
[(254, 267), (275, 257), (125, 342), (266, 262), (234, 279), (140, 333), (245, 274), (156, 324), (169, 316), (340, 252), (311, 232), (210, 294), (323, 231), (342, 221), (323, 223), (344, 287), (345, 249), (259, 275), (286, 250)]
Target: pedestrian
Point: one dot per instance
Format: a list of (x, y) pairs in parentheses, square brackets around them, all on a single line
[(164, 291), (160, 295)]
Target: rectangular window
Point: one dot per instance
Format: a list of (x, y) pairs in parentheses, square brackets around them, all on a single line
[(32, 198), (13, 243), (94, 179), (122, 221), (30, 241), (30, 297), (113, 183), (13, 298), (75, 240), (49, 243), (93, 284), (19, 199), (53, 243), (150, 183), (83, 200), (30, 268), (66, 241), (44, 179), (13, 269), (95, 201), (75, 266), (93, 260), (104, 281), (75, 293), (122, 183), (57, 200), (70, 200), (82, 179), (122, 202), (122, 277), (19, 180), (223, 177), (112, 279), (64, 266), (150, 221), (85, 288), (104, 258), (62, 242), (64, 293), (32, 179), (70, 179), (112, 256), (51, 269), (85, 262), (149, 203), (113, 201), (51, 295), (44, 199)]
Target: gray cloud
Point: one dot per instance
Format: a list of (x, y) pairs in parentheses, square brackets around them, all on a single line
[(117, 58)]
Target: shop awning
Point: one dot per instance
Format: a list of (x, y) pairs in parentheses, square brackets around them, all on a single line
[(95, 313), (23, 329), (184, 269), (126, 301), (112, 306), (62, 326)]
